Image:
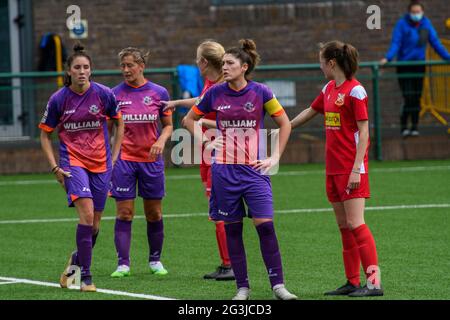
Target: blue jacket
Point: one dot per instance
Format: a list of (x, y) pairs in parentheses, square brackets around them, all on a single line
[(190, 79), (409, 41)]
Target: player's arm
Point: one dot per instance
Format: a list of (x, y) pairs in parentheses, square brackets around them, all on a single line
[(285, 131), (303, 117), (158, 147), (46, 144), (283, 134), (118, 136), (110, 125), (276, 111), (171, 105), (361, 148), (207, 123), (363, 127), (189, 123)]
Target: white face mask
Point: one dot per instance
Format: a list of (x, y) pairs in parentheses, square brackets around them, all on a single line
[(416, 17)]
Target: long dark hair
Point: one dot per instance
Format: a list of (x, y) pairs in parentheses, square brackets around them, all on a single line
[(78, 51), (246, 53)]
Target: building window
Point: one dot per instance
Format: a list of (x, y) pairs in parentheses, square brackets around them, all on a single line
[(284, 91)]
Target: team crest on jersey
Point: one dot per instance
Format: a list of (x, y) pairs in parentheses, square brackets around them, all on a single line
[(249, 107), (147, 100), (94, 109), (340, 100)]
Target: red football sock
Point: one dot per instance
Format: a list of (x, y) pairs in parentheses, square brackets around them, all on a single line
[(350, 253), (222, 243), (367, 252)]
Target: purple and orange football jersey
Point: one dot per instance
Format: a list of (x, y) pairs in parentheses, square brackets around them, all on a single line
[(141, 111), (81, 123)]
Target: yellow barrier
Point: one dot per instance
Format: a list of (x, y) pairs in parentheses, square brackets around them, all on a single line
[(59, 62), (436, 90)]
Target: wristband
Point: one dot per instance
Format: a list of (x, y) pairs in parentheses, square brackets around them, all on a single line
[(356, 171), (55, 169)]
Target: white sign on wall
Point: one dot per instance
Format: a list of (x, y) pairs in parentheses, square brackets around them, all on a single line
[(80, 31), (284, 91)]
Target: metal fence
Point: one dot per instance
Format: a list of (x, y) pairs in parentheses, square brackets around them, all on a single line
[(23, 97)]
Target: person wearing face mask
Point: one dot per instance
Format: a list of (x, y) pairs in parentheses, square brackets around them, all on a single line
[(409, 40)]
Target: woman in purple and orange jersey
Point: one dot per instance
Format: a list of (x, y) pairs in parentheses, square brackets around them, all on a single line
[(209, 61), (237, 172), (343, 102), (141, 160), (79, 112)]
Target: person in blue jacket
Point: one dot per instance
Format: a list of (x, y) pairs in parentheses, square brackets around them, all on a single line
[(409, 40)]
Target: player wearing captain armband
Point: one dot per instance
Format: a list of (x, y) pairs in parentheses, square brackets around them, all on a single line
[(209, 62), (240, 105)]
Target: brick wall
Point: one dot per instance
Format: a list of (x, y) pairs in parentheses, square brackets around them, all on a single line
[(171, 29), (286, 33)]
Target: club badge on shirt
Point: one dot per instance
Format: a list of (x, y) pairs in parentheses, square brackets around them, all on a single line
[(340, 99), (147, 100), (94, 109), (249, 107)]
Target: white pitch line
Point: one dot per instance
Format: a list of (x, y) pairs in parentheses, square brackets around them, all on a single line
[(282, 173), (106, 291), (8, 282), (200, 214)]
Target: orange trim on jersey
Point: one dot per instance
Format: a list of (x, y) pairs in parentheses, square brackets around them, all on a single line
[(279, 113), (136, 87), (197, 111), (74, 197), (74, 162), (118, 115), (46, 128)]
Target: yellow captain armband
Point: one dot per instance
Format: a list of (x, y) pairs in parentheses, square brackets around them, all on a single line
[(273, 107)]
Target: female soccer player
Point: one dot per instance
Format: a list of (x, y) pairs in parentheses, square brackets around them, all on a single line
[(240, 106), (209, 61), (343, 102), (79, 112), (140, 160)]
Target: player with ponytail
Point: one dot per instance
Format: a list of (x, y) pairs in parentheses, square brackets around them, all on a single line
[(79, 112), (238, 169), (343, 102)]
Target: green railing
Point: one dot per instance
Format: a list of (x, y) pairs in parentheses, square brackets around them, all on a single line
[(377, 80)]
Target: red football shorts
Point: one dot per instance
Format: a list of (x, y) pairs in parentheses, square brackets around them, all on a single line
[(205, 174), (337, 188)]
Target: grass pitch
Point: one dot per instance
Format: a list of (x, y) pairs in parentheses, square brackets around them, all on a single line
[(413, 241)]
